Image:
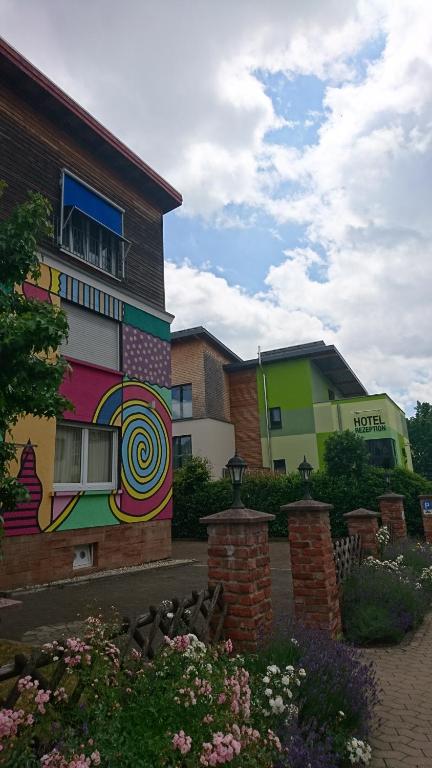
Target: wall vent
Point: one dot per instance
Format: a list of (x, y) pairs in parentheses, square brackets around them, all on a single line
[(83, 556)]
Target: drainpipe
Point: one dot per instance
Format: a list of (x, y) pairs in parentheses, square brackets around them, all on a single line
[(266, 409)]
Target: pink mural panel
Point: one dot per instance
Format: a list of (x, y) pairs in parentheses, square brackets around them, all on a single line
[(85, 386)]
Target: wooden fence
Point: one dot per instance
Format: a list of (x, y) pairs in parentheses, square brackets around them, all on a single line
[(195, 614), (347, 554)]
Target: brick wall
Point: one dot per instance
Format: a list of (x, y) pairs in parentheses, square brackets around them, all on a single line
[(48, 557), (191, 360), (245, 415)]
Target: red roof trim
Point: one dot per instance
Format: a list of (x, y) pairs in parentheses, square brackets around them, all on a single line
[(38, 77)]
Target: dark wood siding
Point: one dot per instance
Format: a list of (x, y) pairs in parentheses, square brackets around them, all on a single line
[(33, 151)]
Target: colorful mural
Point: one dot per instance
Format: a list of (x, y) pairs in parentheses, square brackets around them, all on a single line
[(135, 399), (146, 357), (146, 482), (24, 519)]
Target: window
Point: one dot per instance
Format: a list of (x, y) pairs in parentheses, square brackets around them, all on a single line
[(182, 450), (275, 418), (85, 458), (182, 402), (382, 452), (279, 466), (92, 226), (331, 394)]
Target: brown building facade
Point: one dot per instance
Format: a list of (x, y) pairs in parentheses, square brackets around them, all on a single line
[(202, 424)]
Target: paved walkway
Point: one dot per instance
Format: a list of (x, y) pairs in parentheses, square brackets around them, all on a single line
[(46, 614), (403, 736)]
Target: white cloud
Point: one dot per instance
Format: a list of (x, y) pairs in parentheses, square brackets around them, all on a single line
[(179, 83)]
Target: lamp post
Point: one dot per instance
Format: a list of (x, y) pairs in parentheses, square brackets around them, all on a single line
[(236, 467), (305, 470)]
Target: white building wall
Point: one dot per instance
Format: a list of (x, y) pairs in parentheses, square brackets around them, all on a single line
[(211, 439)]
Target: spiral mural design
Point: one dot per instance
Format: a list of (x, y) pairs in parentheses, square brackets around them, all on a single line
[(145, 449)]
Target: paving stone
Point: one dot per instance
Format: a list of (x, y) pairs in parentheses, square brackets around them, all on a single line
[(403, 736)]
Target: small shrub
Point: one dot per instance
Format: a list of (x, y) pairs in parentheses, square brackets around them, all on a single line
[(382, 602)]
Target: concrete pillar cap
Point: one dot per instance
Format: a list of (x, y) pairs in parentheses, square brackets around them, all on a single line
[(390, 496), (239, 516), (306, 505), (361, 512)]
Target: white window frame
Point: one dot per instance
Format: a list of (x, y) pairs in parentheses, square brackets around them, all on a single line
[(84, 485)]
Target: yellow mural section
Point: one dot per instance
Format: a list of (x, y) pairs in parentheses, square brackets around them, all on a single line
[(41, 433)]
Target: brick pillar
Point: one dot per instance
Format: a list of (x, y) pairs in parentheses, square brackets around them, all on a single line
[(239, 559), (316, 594), (426, 510), (364, 522), (392, 512)]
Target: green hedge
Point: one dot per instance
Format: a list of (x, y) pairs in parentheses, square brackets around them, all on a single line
[(195, 495)]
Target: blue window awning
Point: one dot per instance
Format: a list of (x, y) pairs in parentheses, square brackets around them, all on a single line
[(78, 195)]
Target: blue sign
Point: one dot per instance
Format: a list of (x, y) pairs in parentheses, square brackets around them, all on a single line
[(427, 506)]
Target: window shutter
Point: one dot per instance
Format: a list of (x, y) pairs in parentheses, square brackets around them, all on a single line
[(92, 337)]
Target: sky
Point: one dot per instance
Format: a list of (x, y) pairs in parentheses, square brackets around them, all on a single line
[(299, 133)]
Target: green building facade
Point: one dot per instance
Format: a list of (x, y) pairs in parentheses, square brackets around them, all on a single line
[(306, 393)]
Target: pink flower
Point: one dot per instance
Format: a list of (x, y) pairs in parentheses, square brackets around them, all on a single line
[(42, 697), (228, 647), (182, 742)]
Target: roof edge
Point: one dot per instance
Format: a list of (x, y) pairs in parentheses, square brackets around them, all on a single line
[(35, 74), (200, 332)]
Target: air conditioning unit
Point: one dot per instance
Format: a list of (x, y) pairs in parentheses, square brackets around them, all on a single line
[(83, 556)]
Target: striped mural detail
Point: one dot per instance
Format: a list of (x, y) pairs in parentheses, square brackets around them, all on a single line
[(87, 296), (24, 519)]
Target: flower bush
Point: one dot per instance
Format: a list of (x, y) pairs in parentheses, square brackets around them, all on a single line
[(303, 699), (335, 693), (384, 599)]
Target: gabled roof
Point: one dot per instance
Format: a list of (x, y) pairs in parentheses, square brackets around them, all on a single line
[(36, 89), (201, 333), (326, 357)]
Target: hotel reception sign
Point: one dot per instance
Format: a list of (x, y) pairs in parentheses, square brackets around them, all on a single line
[(369, 422)]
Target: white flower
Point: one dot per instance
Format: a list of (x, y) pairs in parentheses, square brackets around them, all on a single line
[(273, 669), (286, 680), (359, 752), (302, 672), (277, 705), (266, 679), (268, 692)]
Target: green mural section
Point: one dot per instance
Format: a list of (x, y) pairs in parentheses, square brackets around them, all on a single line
[(146, 322), (90, 511)]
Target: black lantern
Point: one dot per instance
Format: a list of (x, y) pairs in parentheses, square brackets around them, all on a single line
[(236, 468), (305, 469)]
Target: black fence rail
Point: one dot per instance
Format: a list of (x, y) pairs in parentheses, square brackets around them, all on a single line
[(200, 614), (347, 554)]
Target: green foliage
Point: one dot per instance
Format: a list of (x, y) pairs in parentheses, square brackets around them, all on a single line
[(381, 606), (30, 331), (195, 495), (420, 435), (345, 453)]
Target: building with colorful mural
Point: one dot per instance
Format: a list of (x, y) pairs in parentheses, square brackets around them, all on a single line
[(99, 479), (286, 402)]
